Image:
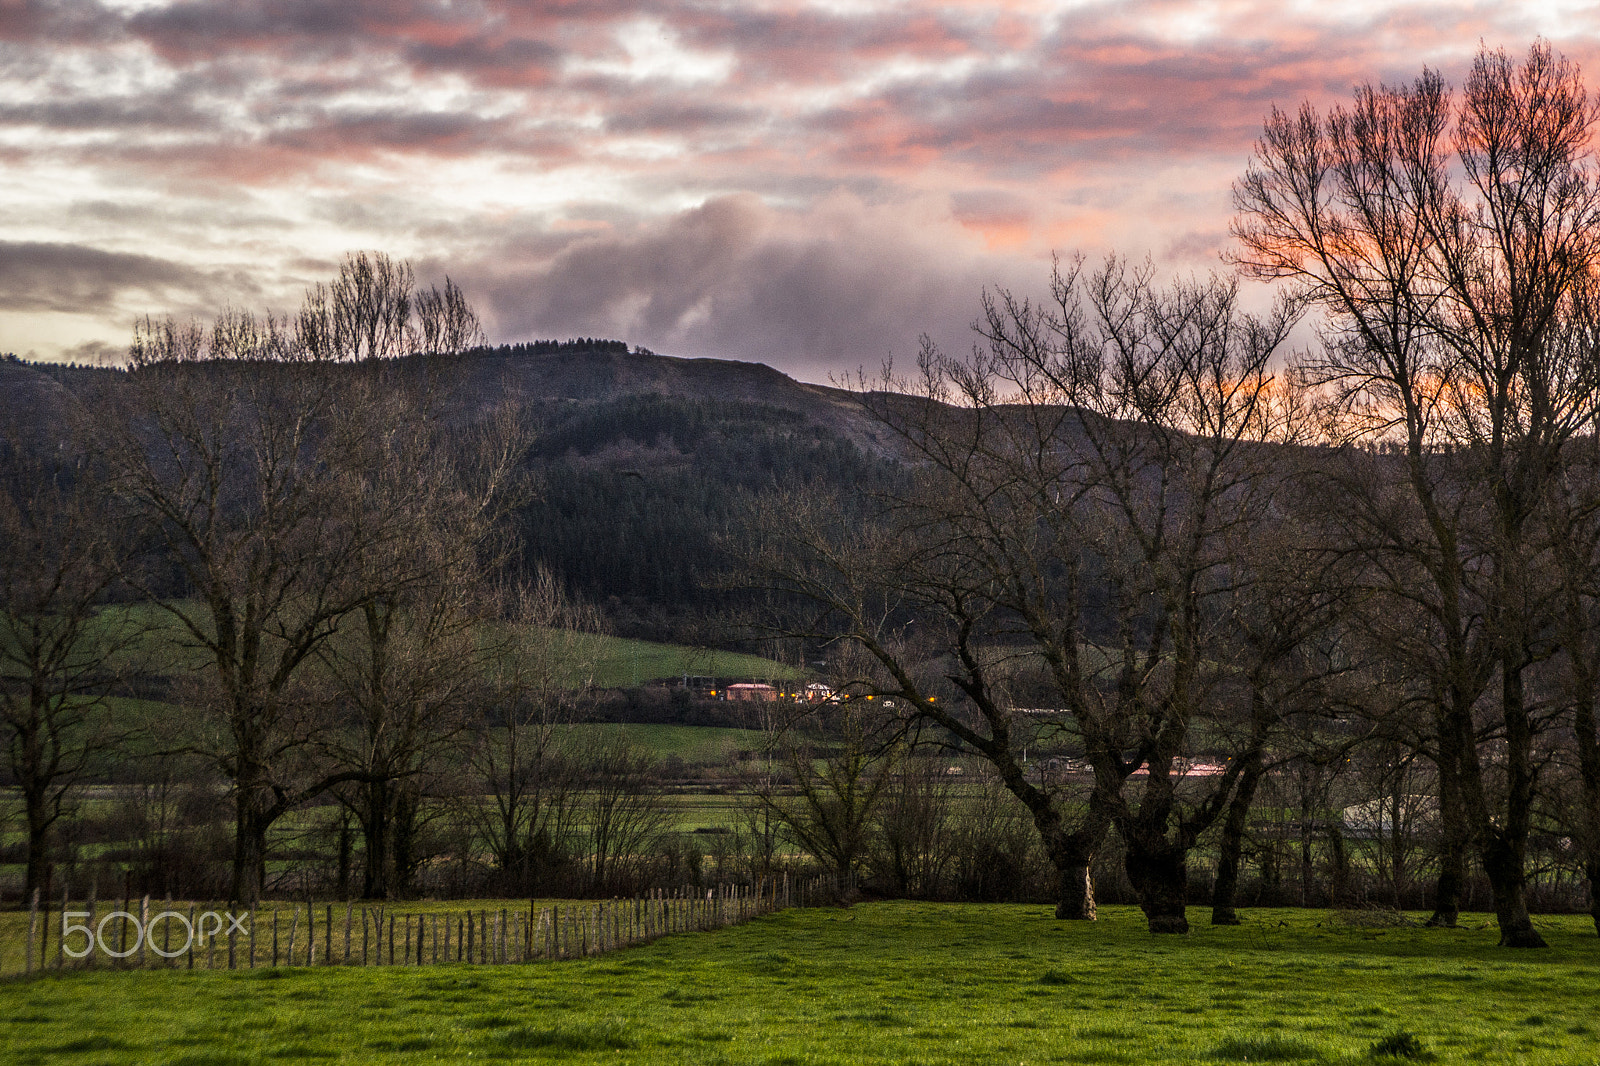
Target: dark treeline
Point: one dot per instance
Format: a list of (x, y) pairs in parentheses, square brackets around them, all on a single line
[(575, 346)]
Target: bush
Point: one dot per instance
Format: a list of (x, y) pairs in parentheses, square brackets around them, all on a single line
[(1400, 1045)]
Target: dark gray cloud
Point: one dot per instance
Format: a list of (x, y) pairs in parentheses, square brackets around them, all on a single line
[(815, 294), (139, 113), (667, 116), (498, 60), (211, 28), (73, 278), (95, 353)]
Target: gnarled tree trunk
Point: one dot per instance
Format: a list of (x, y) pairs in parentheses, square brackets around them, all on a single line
[(1161, 878), (1226, 888)]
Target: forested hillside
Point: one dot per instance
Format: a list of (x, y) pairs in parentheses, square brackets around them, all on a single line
[(638, 463), (635, 496)]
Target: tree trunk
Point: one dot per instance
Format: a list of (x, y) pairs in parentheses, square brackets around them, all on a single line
[(1503, 862), (1075, 891), (404, 836), (1225, 892), (1071, 851), (1339, 893), (1452, 880), (39, 822), (1505, 846), (249, 851), (1161, 878), (375, 841), (344, 856), (1589, 771)]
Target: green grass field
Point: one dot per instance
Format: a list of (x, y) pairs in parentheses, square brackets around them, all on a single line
[(881, 983), (691, 743), (149, 639), (619, 662)]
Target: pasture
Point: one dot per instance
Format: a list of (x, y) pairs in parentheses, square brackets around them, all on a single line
[(879, 983), (146, 639)]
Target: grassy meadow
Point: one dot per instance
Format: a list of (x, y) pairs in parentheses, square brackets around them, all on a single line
[(146, 638), (880, 983), (691, 743)]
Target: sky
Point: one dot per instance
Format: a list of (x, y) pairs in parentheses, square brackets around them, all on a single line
[(809, 185)]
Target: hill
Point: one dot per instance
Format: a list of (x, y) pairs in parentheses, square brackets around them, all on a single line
[(641, 461), (600, 372)]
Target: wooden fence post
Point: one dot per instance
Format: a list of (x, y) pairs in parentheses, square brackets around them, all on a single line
[(166, 935)]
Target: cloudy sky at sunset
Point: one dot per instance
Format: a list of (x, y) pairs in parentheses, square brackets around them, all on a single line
[(809, 185)]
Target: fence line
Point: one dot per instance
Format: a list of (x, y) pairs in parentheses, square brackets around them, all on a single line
[(141, 933)]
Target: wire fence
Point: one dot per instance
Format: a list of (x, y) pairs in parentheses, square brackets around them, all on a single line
[(147, 934)]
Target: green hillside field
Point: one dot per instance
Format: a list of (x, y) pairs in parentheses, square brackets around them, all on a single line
[(149, 639), (885, 983)]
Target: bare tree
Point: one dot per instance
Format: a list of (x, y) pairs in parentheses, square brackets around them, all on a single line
[(621, 814), (411, 659), (446, 320), (239, 448), (1110, 443), (838, 780), (915, 833), (59, 655), (214, 444), (1452, 246), (1397, 812), (524, 782), (1293, 660), (373, 310)]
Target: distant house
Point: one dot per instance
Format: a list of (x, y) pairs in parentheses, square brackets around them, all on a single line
[(752, 691)]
